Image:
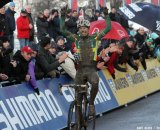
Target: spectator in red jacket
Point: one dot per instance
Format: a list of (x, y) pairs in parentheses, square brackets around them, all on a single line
[(23, 28)]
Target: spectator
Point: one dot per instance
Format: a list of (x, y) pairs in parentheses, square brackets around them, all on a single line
[(109, 58), (125, 56), (31, 22), (96, 15), (45, 62), (52, 49), (10, 12), (20, 63), (140, 36), (68, 65), (46, 14), (71, 22), (42, 26), (5, 55), (31, 67), (112, 14), (4, 29), (23, 28), (54, 24)]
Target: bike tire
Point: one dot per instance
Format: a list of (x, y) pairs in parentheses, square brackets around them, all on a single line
[(71, 118)]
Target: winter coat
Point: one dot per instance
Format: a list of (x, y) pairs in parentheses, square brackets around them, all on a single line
[(45, 61), (42, 27), (71, 24), (4, 28), (31, 33), (11, 20), (23, 27), (54, 28), (127, 58), (112, 16), (21, 70), (140, 39), (5, 61)]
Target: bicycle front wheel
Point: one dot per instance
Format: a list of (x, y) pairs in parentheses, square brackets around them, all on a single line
[(71, 117)]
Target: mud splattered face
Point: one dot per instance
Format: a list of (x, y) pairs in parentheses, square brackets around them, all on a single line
[(84, 31)]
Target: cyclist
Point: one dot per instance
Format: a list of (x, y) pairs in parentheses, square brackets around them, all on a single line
[(86, 46)]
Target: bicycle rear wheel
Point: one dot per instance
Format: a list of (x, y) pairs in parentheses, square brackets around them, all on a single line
[(71, 117)]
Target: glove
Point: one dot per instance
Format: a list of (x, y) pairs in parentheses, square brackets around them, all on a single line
[(37, 91)]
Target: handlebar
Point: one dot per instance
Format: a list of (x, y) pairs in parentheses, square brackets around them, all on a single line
[(75, 86)]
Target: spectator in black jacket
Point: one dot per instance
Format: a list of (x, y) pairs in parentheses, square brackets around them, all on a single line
[(11, 22), (5, 55), (71, 22), (54, 24), (45, 62), (112, 14), (126, 56), (96, 15), (140, 37), (42, 26), (20, 63), (29, 15), (4, 29)]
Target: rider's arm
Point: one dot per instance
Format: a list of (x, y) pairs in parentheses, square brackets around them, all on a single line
[(106, 30), (72, 37)]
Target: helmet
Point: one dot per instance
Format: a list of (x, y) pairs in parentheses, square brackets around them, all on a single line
[(83, 23)]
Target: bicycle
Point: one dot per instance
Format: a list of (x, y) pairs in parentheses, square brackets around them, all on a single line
[(81, 118)]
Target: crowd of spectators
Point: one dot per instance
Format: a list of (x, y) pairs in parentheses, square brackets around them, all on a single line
[(54, 54)]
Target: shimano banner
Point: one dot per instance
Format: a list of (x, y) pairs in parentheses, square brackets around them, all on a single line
[(21, 108)]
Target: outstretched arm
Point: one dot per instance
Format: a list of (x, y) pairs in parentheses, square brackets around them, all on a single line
[(106, 30), (69, 35)]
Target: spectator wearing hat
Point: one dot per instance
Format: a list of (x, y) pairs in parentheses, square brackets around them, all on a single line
[(20, 63), (4, 29), (31, 67), (45, 62), (29, 15), (5, 56), (23, 29), (126, 56), (71, 22), (10, 12), (68, 66)]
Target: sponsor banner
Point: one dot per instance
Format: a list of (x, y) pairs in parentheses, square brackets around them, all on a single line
[(133, 85), (21, 108)]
